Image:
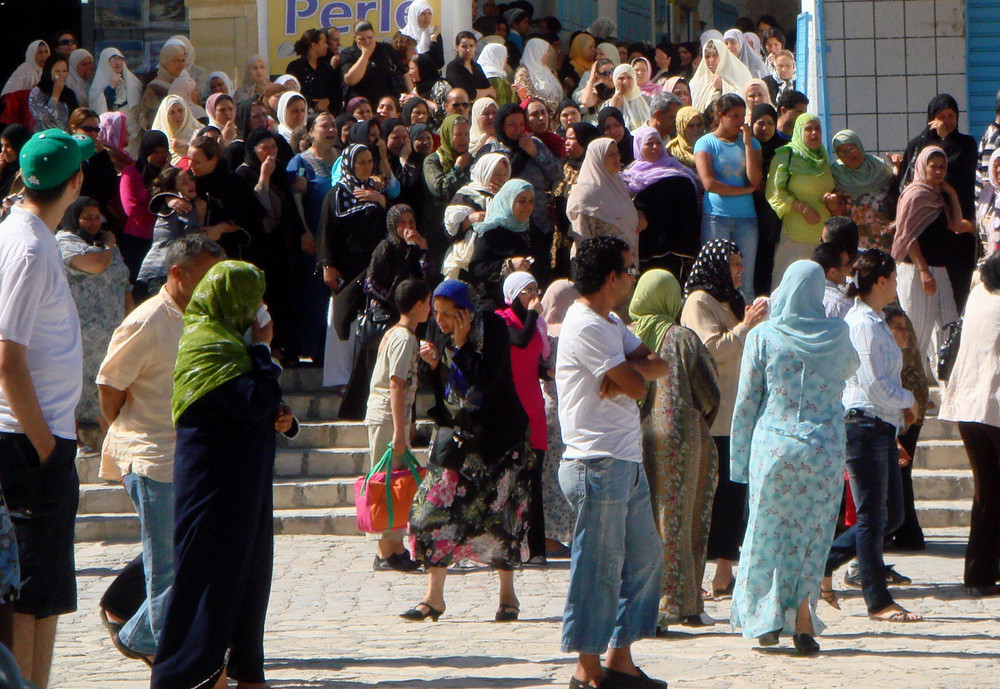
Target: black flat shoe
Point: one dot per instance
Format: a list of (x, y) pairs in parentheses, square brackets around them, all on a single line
[(613, 679), (769, 639), (507, 613), (415, 615), (988, 591), (805, 644)]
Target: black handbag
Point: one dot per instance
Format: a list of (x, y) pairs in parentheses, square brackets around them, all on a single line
[(373, 323), (948, 350), (451, 447)]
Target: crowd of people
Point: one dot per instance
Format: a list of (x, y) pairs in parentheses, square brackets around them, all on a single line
[(660, 309)]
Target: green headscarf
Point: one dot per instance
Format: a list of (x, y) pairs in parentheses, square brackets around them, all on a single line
[(212, 350), (816, 158), (654, 307), (445, 152), (873, 175)]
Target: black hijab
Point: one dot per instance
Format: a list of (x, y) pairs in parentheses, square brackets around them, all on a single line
[(415, 130), (767, 148), (711, 273), (45, 84), (71, 221), (255, 137), (16, 135), (361, 131), (585, 133), (625, 145), (408, 108), (942, 101), (567, 103), (151, 141), (390, 254), (519, 158)]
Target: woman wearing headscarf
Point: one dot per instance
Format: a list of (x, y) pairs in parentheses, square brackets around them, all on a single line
[(401, 255), (643, 73), (582, 53), (476, 508), (218, 82), (51, 101), (665, 193), (788, 444), (863, 182), (292, 111), (226, 408), (567, 113), (763, 124), (174, 119), (745, 53), (535, 78), (134, 188), (468, 206), (98, 281), (929, 226), (446, 170), (678, 453), (609, 51), (81, 75), (419, 18), (755, 93), (540, 126), (578, 137), (12, 140), (987, 209), (715, 310), (679, 87), (529, 349), (600, 204), (116, 89), (483, 118), (256, 78), (222, 115), (963, 156), (611, 124), (799, 186), (493, 60), (114, 137), (196, 73), (503, 240), (688, 54), (171, 66), (690, 125), (559, 516), (719, 73), (628, 98), (29, 72), (402, 164)]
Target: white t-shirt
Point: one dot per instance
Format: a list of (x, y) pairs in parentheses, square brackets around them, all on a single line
[(589, 347), (37, 311)]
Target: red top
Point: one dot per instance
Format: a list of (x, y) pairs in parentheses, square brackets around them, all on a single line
[(135, 202), (524, 365)]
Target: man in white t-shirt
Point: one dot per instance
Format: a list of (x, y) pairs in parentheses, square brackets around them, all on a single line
[(601, 371), (41, 374)]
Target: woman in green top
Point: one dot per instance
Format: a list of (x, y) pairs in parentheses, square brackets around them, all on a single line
[(226, 407), (799, 189)]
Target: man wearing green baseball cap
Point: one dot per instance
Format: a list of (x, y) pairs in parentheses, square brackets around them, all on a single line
[(41, 372)]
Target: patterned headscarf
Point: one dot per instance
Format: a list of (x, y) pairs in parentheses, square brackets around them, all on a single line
[(347, 204), (212, 350), (711, 273)]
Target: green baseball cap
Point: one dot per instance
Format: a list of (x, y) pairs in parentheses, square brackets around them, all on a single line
[(51, 157)]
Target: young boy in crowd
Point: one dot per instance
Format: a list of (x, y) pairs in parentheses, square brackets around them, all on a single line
[(391, 397)]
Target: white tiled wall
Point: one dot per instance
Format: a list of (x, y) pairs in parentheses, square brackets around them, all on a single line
[(886, 60)]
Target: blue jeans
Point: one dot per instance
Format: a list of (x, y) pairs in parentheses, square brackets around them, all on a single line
[(876, 485), (617, 561), (741, 231), (154, 502)]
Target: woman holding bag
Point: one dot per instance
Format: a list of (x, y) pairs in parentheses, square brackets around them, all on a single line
[(473, 504)]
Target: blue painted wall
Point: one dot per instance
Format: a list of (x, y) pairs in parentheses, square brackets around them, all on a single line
[(982, 19)]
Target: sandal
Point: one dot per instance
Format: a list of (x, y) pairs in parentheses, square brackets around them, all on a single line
[(727, 592), (507, 613), (415, 615), (831, 597), (899, 615)]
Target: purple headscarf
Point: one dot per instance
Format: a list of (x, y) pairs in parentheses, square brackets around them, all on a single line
[(641, 174)]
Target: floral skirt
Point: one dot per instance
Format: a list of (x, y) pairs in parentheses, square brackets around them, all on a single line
[(479, 513)]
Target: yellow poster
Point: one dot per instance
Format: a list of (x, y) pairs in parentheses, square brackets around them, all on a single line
[(288, 19)]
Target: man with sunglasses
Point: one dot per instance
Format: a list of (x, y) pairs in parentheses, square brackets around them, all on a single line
[(601, 370), (65, 43), (457, 102)]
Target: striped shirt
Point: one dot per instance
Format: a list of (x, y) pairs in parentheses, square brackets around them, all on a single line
[(875, 388)]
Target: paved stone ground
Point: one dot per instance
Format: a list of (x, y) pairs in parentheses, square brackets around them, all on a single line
[(332, 624)]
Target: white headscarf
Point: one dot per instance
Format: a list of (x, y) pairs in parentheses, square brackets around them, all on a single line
[(184, 85), (748, 56), (28, 74), (635, 109), (515, 283), (288, 81), (610, 51), (79, 85), (230, 90), (477, 137), (600, 194), (734, 74), (480, 176), (412, 28), (248, 89), (493, 60), (197, 73), (543, 79), (283, 102), (102, 79), (184, 132)]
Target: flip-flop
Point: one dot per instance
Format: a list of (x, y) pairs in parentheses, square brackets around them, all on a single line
[(831, 598), (902, 616)]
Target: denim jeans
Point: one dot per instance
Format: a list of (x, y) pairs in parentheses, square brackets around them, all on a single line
[(617, 560), (873, 470), (154, 502), (741, 231)]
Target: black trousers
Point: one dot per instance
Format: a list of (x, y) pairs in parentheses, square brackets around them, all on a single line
[(729, 510), (982, 556), (909, 536), (536, 508)]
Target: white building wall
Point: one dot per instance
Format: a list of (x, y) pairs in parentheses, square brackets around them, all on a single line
[(887, 59)]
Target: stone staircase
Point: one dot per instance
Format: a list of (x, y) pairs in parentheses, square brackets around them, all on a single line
[(315, 472)]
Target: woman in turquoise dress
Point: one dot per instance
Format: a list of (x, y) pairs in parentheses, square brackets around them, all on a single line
[(788, 444)]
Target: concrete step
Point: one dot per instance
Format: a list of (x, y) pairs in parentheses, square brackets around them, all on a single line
[(323, 405), (337, 521), (943, 513), (935, 429), (322, 434), (931, 484), (328, 463), (300, 379), (941, 455)]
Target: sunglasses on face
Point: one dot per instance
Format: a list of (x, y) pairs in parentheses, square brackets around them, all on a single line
[(632, 271), (67, 41), (605, 74)]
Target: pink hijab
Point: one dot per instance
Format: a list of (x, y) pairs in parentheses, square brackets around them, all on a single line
[(650, 88), (641, 174), (920, 204)]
